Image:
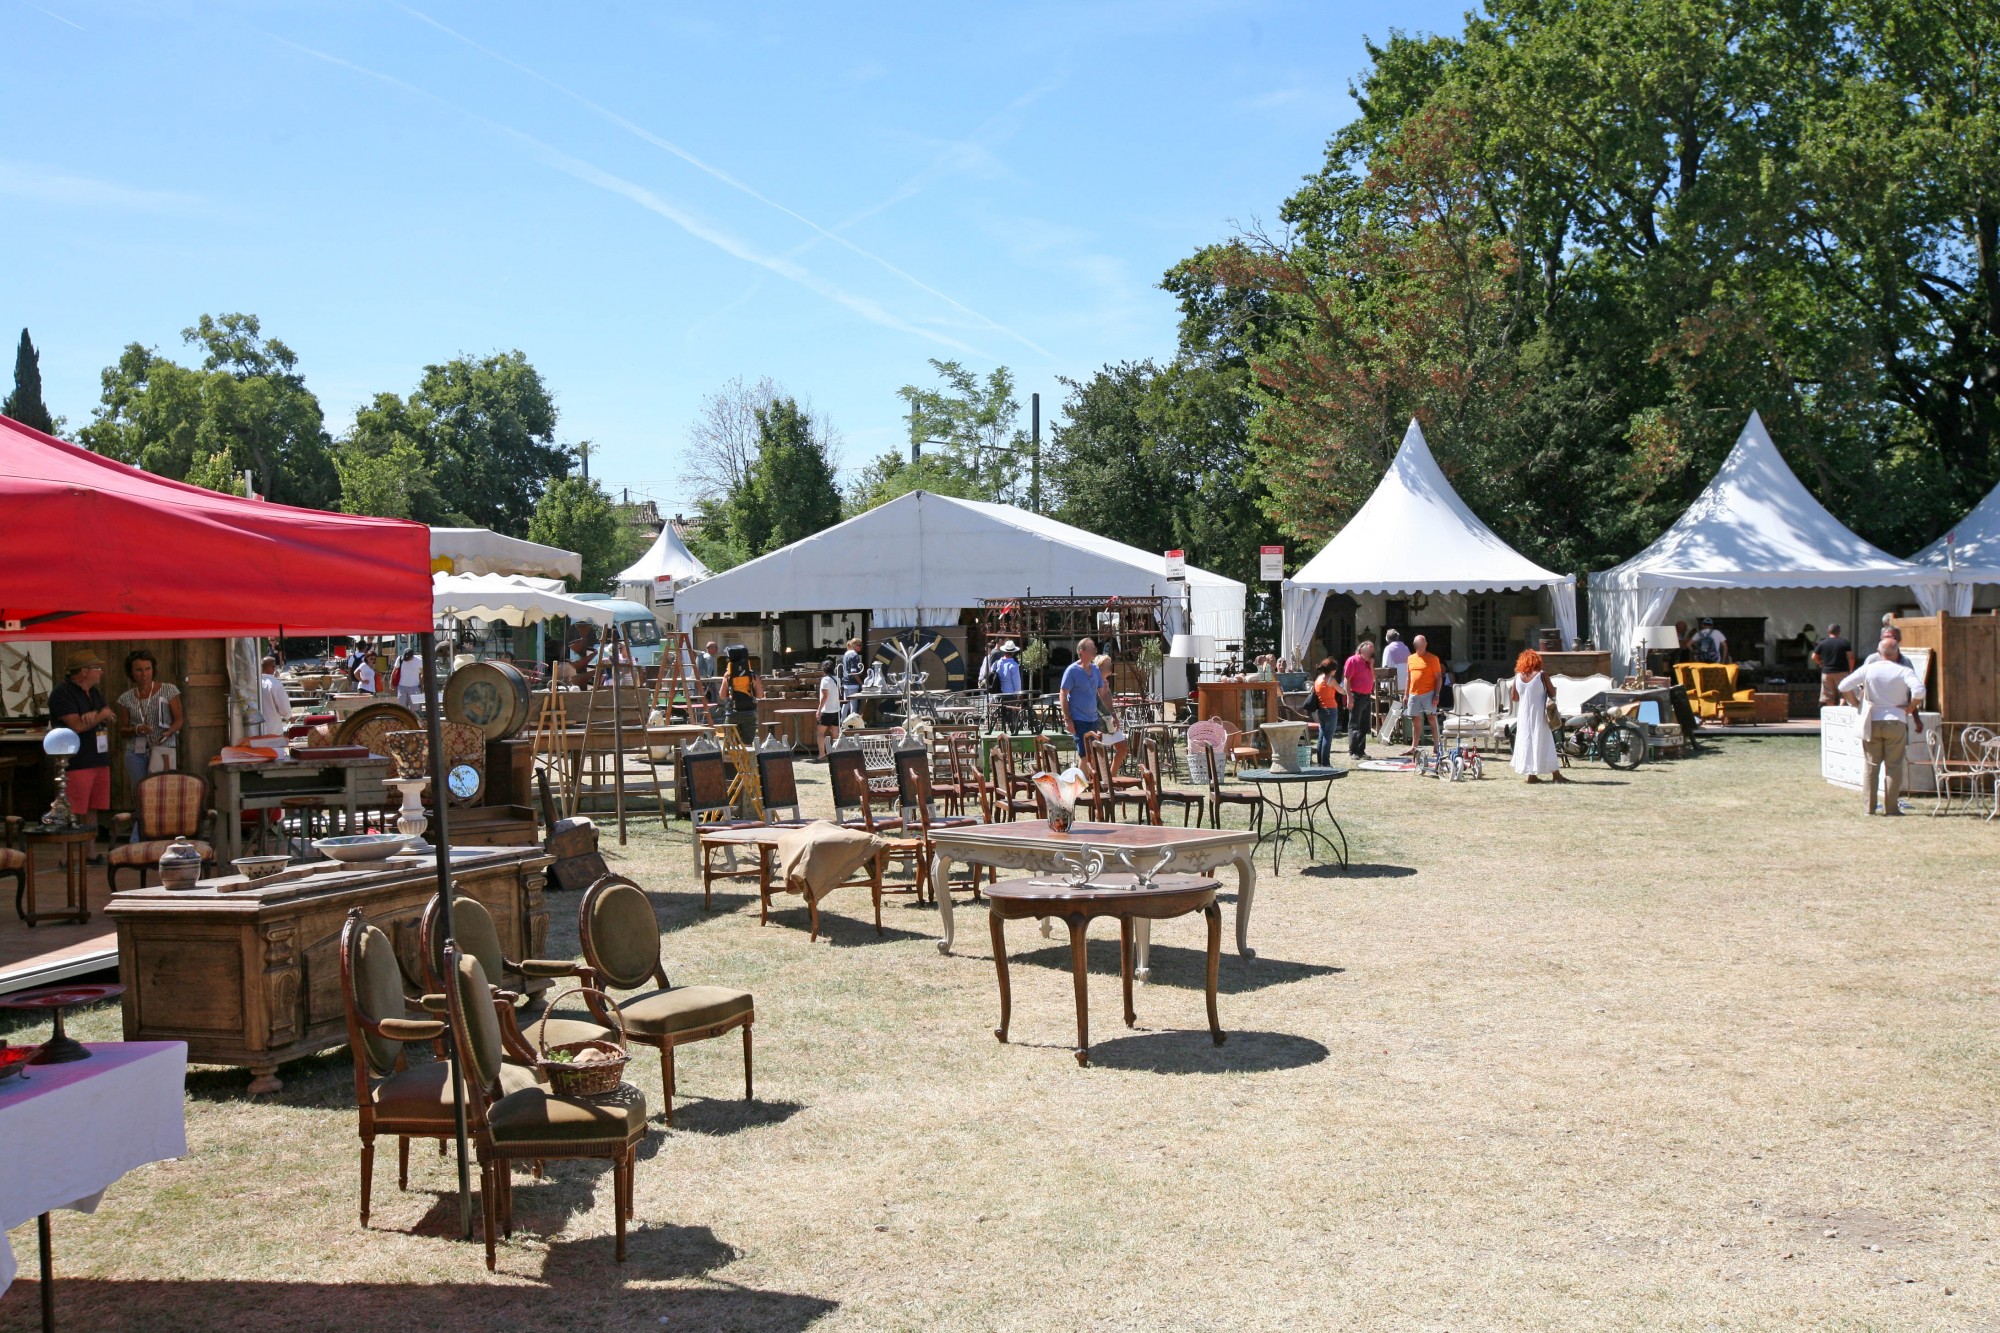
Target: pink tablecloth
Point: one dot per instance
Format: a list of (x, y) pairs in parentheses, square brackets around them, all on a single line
[(71, 1130)]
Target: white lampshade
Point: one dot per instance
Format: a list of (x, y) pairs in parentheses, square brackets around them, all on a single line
[(62, 742), (1192, 645), (1661, 637)]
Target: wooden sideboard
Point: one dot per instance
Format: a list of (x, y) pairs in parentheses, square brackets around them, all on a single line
[(251, 976), (1245, 705)]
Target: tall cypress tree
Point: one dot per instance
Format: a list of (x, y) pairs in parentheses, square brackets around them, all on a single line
[(25, 404)]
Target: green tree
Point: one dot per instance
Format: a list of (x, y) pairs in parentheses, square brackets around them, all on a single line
[(245, 407), (1159, 458), (964, 437), (25, 404), (789, 493), (575, 514)]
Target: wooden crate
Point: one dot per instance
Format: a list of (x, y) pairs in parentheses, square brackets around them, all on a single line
[(1964, 683)]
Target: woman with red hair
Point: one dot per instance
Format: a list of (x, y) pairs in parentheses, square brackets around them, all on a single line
[(1534, 744)]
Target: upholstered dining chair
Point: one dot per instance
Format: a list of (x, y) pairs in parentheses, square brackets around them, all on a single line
[(391, 1095), (508, 1124), (472, 927), (621, 951), (165, 806)]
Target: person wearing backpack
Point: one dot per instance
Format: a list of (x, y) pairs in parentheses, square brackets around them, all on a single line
[(741, 690), (1709, 644)]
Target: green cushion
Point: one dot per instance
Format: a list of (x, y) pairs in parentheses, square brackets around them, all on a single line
[(472, 928), (534, 1115), (378, 992), (666, 1012), (475, 997), (423, 1093), (624, 936)]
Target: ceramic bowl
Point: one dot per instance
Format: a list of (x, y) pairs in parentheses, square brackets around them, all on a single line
[(13, 1059), (363, 846), (259, 867)]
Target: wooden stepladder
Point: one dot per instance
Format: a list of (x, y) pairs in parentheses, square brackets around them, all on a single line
[(679, 684)]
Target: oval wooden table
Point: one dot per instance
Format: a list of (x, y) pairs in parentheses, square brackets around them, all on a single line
[(1120, 896)]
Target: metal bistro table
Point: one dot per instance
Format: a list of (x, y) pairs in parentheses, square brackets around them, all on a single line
[(1032, 846), (1295, 819)]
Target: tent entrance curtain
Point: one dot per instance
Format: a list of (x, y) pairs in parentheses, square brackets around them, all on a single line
[(1301, 607), (1951, 598), (1618, 614), (1563, 598), (914, 617)]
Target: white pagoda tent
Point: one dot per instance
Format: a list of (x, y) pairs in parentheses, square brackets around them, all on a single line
[(666, 565), (1754, 528), (1969, 554), (1415, 536), (483, 551), (923, 559)]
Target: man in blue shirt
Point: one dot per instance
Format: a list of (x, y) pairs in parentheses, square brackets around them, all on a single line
[(1082, 687), (1007, 669)]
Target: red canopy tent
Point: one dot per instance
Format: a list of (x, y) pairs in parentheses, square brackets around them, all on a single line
[(97, 549)]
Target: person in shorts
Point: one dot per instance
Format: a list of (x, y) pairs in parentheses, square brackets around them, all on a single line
[(1426, 674), (78, 703), (828, 720), (1082, 691)]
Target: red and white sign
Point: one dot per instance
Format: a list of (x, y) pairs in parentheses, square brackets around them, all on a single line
[(1177, 564), (1272, 559)]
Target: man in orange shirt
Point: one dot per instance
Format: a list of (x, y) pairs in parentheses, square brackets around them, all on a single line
[(1426, 674)]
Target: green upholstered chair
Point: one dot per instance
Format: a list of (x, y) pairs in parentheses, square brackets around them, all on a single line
[(472, 927), (621, 946), (508, 1124), (392, 1096)]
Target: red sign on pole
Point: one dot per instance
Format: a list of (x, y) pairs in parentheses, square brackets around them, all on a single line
[(1177, 564), (1272, 558)]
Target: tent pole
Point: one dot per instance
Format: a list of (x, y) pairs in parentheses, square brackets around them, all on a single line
[(618, 726), (441, 840)]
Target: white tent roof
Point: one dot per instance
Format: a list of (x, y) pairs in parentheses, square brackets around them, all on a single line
[(1757, 526), (1975, 544), (482, 551), (922, 558), (667, 560), (511, 600), (1416, 535)]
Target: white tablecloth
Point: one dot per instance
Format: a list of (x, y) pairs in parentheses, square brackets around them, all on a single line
[(70, 1130)]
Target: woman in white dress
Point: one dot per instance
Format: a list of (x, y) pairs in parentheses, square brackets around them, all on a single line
[(1534, 744)]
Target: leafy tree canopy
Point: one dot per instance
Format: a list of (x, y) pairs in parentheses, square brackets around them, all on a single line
[(787, 493), (244, 407), (575, 514), (966, 438)]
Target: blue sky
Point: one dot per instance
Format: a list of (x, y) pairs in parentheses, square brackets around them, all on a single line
[(649, 200)]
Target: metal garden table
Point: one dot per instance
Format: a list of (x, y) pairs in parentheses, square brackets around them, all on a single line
[(1296, 818)]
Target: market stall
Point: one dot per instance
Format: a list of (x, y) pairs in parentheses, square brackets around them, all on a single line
[(1755, 541), (1416, 540), (1969, 557)]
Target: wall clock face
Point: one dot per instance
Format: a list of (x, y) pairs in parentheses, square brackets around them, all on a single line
[(464, 781)]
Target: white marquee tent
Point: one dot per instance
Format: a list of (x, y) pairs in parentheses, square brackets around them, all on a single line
[(510, 599), (1415, 535), (1969, 554), (921, 559), (481, 551), (1754, 527), (666, 565)]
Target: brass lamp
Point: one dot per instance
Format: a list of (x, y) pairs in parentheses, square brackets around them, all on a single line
[(60, 744)]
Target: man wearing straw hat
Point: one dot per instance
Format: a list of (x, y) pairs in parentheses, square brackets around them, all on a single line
[(78, 704)]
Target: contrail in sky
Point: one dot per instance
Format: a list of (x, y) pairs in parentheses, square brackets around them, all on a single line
[(647, 199), (641, 132)]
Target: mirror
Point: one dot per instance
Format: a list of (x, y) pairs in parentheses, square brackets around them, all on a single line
[(464, 781)]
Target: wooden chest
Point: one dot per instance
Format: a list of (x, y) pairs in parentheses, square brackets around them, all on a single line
[(252, 977)]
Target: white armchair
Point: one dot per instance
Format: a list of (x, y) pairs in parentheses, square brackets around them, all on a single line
[(1474, 713)]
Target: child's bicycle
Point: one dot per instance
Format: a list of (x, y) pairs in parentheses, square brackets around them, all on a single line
[(1456, 764)]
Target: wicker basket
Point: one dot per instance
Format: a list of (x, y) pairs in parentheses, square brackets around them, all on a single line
[(599, 1077)]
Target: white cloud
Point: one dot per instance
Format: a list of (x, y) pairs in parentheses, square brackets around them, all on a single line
[(50, 185)]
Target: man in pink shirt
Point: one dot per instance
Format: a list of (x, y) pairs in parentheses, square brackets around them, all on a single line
[(1358, 673)]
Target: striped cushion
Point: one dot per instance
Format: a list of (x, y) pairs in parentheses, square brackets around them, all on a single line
[(13, 860), (148, 853), (170, 805)]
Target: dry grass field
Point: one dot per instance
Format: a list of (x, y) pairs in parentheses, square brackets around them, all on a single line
[(1693, 1047)]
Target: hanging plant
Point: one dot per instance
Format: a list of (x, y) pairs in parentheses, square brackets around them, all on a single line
[(1151, 655), (1035, 656)]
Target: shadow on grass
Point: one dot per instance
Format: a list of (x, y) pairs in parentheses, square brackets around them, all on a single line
[(587, 1291), (1193, 1052), (842, 930), (1182, 967), (722, 1115), (1359, 870)]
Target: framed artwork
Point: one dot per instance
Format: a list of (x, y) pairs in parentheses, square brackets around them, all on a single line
[(26, 676)]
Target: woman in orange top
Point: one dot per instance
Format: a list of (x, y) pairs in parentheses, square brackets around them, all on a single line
[(1327, 694)]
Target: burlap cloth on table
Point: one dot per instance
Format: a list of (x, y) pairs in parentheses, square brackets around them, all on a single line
[(819, 857)]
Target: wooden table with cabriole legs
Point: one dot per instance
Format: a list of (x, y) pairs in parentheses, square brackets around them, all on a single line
[(1076, 905)]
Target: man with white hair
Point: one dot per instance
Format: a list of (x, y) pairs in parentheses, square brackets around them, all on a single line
[(1887, 692)]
